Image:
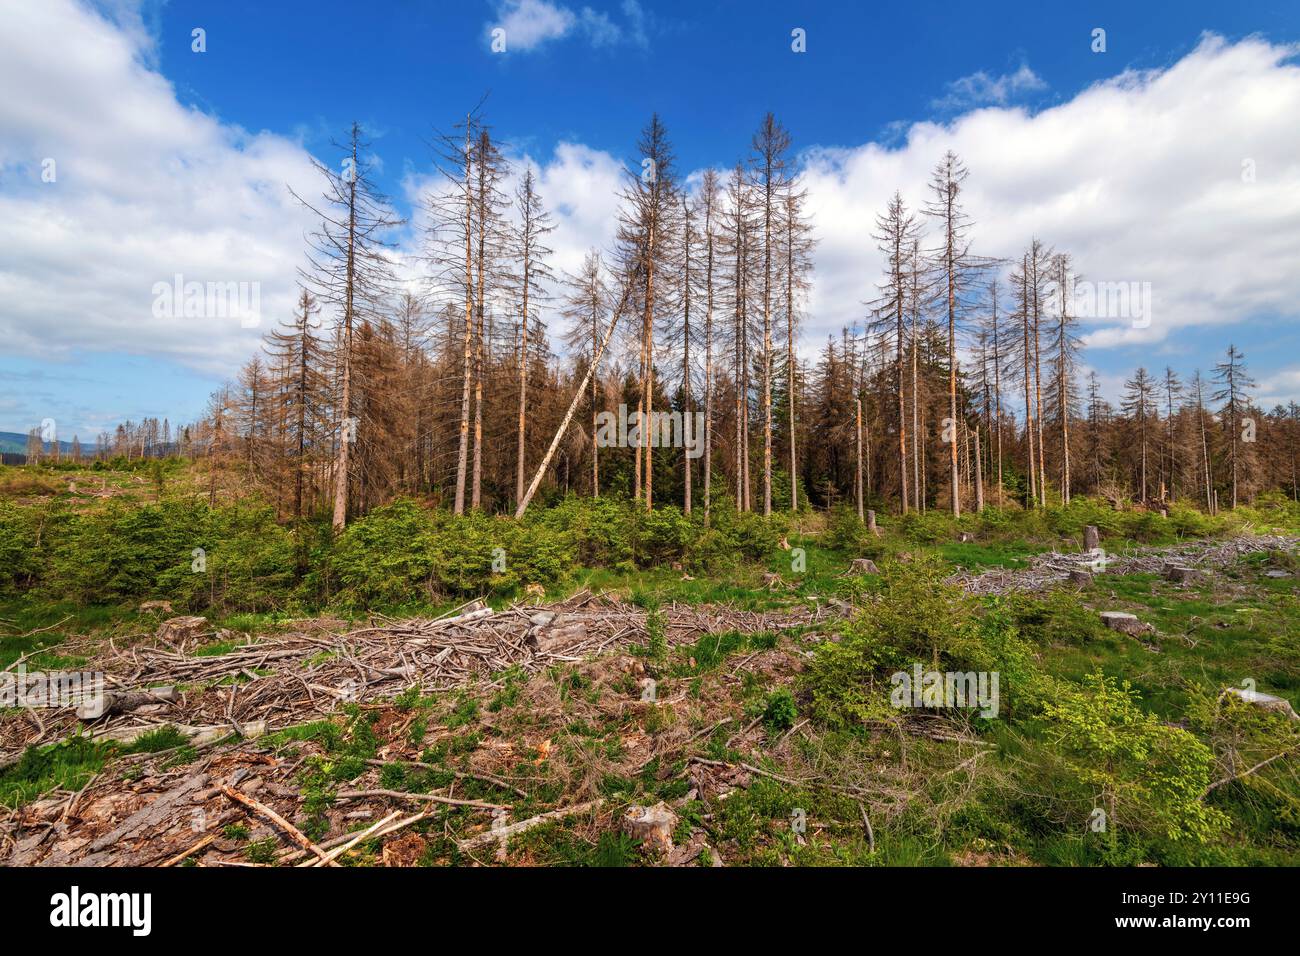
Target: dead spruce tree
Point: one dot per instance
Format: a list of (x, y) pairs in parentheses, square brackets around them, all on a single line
[(769, 170), (350, 271), (897, 231), (585, 306), (956, 271), (1231, 374), (532, 254), (645, 223)]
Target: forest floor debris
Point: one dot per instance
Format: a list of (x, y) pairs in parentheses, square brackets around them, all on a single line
[(1053, 568)]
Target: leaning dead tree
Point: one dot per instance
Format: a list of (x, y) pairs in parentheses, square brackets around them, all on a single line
[(628, 285)]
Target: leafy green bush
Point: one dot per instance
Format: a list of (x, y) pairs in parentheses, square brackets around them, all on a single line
[(779, 711), (21, 558), (1148, 777), (249, 564), (848, 533), (1054, 618)]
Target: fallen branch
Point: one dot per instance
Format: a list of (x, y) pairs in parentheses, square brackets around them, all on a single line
[(504, 833), (370, 831), (432, 797), (263, 810)]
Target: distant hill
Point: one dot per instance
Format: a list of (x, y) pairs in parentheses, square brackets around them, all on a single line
[(16, 443)]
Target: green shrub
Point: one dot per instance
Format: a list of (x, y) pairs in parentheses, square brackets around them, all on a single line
[(1148, 777), (404, 553), (122, 552)]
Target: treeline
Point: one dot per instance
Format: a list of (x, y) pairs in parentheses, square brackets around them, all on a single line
[(961, 388)]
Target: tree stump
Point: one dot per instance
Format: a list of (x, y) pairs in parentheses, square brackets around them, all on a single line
[(653, 826), (1180, 575), (1091, 538), (177, 630), (871, 523), (1081, 577)]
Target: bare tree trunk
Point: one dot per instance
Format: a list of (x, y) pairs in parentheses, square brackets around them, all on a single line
[(462, 452), (708, 365), (857, 481), (345, 403), (523, 389)]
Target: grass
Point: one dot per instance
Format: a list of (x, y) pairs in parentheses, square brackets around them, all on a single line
[(602, 739)]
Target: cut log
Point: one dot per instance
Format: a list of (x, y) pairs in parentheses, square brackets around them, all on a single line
[(653, 826), (475, 615), (561, 633), (198, 736), (1267, 701), (1126, 623), (116, 702)]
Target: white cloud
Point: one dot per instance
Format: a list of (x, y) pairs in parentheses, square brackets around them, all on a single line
[(528, 24), (1139, 178), (144, 189), (980, 89)]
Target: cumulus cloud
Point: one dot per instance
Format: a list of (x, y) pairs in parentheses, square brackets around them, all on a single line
[(1142, 178), (111, 186), (981, 89), (1187, 178), (529, 24)]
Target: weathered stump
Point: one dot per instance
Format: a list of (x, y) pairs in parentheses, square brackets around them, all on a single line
[(653, 826), (179, 629), (1091, 538), (1081, 577), (1180, 575), (871, 523)]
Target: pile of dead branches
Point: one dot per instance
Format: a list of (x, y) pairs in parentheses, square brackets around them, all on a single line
[(300, 676), (1053, 567)]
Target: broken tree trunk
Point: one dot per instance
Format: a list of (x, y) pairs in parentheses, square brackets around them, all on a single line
[(573, 406)]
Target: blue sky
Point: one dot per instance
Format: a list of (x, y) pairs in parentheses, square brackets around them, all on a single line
[(712, 69), (880, 92)]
